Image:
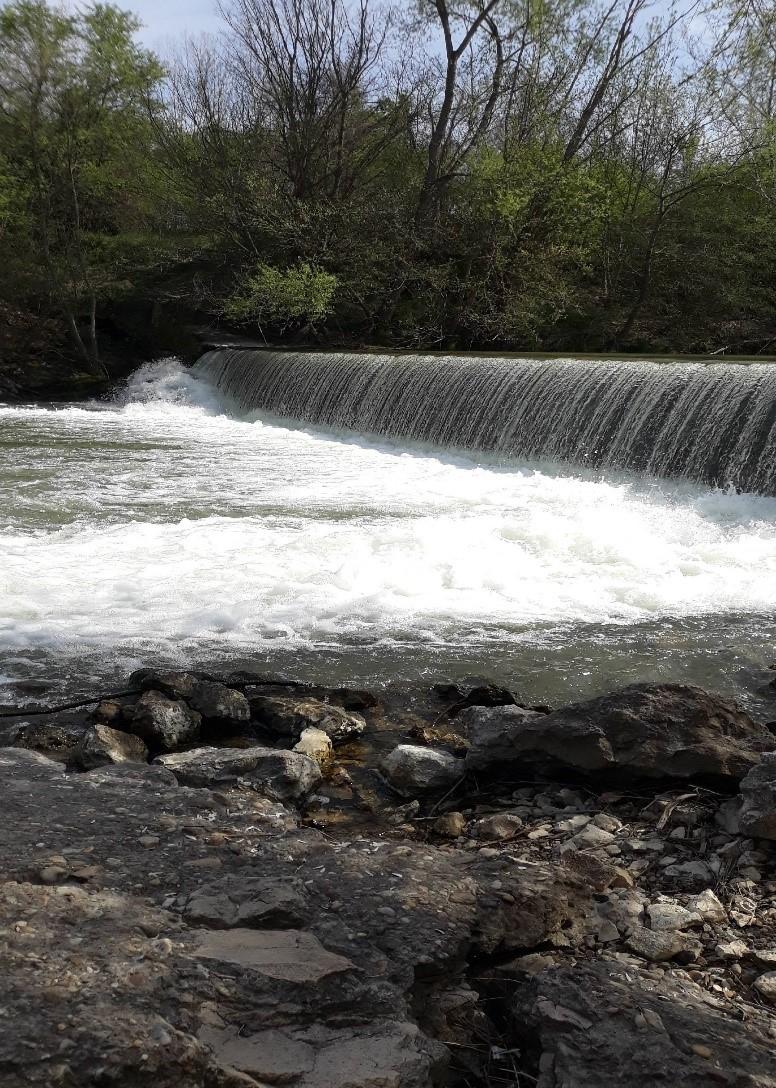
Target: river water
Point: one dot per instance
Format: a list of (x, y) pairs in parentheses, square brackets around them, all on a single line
[(162, 525)]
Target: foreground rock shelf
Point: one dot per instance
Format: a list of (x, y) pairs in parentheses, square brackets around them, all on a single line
[(225, 882)]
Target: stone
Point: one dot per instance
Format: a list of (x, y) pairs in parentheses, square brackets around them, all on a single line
[(708, 907), (757, 815), (317, 745), (657, 946), (766, 986), (668, 915), (293, 955), (101, 746), (56, 739), (670, 731), (289, 717), (573, 823), (452, 825), (251, 902), (411, 769), (608, 1024), (178, 685), (607, 822), (278, 774), (217, 703), (731, 950), (163, 722), (590, 837), (504, 825)]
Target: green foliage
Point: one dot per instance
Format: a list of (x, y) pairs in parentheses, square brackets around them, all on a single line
[(302, 293)]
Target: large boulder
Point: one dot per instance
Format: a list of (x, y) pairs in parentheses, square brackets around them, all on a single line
[(290, 716), (412, 770), (102, 746), (164, 722), (605, 1025), (273, 772), (757, 813), (643, 731), (218, 703)]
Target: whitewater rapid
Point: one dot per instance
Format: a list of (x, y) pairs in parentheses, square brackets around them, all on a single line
[(160, 523)]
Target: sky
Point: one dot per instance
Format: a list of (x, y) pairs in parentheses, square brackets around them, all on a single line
[(166, 22)]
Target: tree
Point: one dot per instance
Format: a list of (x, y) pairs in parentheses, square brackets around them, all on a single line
[(73, 96)]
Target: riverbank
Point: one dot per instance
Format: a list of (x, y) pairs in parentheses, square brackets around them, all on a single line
[(230, 881)]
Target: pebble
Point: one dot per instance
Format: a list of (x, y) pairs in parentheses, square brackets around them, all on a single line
[(149, 840), (701, 1050), (607, 822), (52, 874), (708, 907)]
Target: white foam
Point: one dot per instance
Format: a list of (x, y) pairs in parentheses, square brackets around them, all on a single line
[(159, 521)]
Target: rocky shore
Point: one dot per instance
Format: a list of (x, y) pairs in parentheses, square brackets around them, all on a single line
[(229, 882)]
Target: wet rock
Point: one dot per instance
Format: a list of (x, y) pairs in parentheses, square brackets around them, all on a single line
[(57, 739), (218, 703), (757, 815), (289, 717), (411, 769), (177, 685), (275, 773), (317, 745), (605, 1025), (163, 722), (439, 737), (643, 731), (102, 746)]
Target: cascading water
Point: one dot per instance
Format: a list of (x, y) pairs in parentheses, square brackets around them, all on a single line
[(714, 423)]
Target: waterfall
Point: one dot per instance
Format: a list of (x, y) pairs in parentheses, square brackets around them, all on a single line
[(710, 422)]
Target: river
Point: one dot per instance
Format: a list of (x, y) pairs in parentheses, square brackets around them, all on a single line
[(165, 525)]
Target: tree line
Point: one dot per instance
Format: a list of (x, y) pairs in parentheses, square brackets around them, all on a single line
[(497, 174)]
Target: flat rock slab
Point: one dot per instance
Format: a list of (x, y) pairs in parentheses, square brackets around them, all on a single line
[(293, 955)]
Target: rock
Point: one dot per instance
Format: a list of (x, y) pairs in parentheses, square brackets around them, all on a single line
[(757, 815), (102, 746), (57, 739), (108, 712), (731, 950), (164, 722), (573, 823), (452, 825), (218, 703), (289, 717), (600, 874), (669, 915), (657, 946), (275, 773), (590, 837), (607, 822), (708, 907), (293, 955), (248, 902), (317, 745), (643, 731), (178, 685), (411, 769), (504, 825), (491, 733), (727, 816), (766, 986), (604, 1025)]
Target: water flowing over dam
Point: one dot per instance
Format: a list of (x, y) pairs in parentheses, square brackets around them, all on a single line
[(710, 422)]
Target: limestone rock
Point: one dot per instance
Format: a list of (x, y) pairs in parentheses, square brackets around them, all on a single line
[(766, 986), (411, 769), (708, 907), (606, 1025), (451, 825), (317, 745), (669, 915), (289, 717), (275, 773), (643, 731), (102, 746), (659, 945), (163, 722), (757, 814)]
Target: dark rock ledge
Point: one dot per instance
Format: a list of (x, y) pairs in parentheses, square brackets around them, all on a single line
[(221, 883)]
